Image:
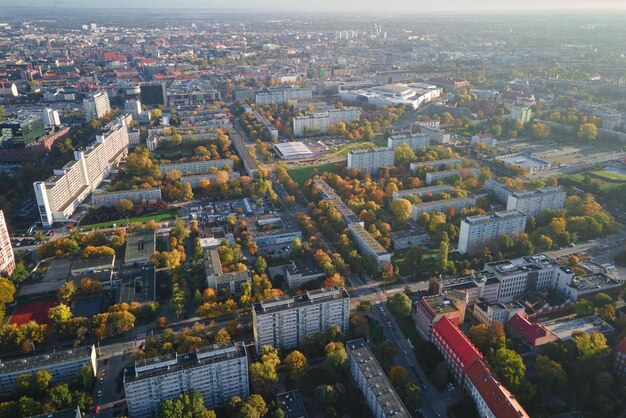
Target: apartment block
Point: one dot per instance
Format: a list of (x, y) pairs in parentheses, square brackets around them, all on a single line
[(422, 191), (218, 372), (285, 322), (249, 163), (442, 205), (521, 114), (477, 232), (63, 365), (134, 195), (371, 160), (226, 284), (414, 141), (457, 350), (96, 106), (320, 122), (51, 117), (7, 258), (433, 176), (372, 382), (280, 95), (60, 195), (197, 167), (194, 181), (328, 193), (487, 312), (533, 202), (368, 245), (269, 230), (436, 163)]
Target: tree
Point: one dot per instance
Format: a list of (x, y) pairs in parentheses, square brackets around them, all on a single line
[(124, 205), (440, 375), (20, 273), (85, 377), (478, 335), (551, 374), (590, 345), (185, 406), (401, 209), (584, 308), (7, 291), (89, 286), (587, 131), (61, 396), (602, 299), (297, 365), (444, 246), (540, 130), (222, 336), (66, 292), (404, 155), (607, 312), (325, 395), (336, 358), (509, 367), (60, 313), (400, 304), (364, 305), (263, 376), (28, 407)]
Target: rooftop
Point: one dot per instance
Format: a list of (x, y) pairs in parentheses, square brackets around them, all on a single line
[(372, 151), (529, 263), (290, 302), (457, 342), (377, 381), (271, 224), (420, 191), (440, 304), (64, 413), (42, 360), (369, 240), (564, 328), (449, 161), (594, 282), (530, 331), (290, 149), (291, 404), (496, 216), (140, 246)]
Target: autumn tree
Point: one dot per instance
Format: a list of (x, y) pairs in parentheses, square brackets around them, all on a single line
[(401, 209), (296, 364)]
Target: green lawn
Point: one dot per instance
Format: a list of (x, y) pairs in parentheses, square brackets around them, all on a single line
[(301, 174), (609, 175), (157, 217)]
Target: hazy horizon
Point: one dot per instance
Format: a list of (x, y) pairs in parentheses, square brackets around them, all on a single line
[(359, 6)]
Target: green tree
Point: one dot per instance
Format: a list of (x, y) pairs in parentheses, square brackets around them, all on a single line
[(20, 273), (551, 374), (61, 396), (85, 377), (336, 358), (440, 375), (540, 130), (28, 407), (297, 365), (584, 308), (404, 155), (401, 209), (478, 335), (185, 406), (444, 246), (400, 304), (590, 345), (509, 367), (67, 291), (60, 313), (325, 395), (602, 299)]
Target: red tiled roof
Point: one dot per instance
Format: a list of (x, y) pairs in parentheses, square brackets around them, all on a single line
[(531, 332), (621, 347), (457, 342), (499, 400)]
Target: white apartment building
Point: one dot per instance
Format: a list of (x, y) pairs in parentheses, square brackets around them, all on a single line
[(368, 245), (285, 322), (487, 312), (63, 365), (194, 181), (477, 232), (218, 372), (51, 117), (197, 167), (59, 196), (436, 163), (414, 141), (433, 176), (421, 191), (521, 114), (443, 205), (319, 123), (225, 284), (134, 195), (533, 202), (372, 382), (280, 95), (371, 160), (96, 106), (7, 258)]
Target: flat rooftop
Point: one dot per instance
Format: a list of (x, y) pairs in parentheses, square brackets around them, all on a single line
[(271, 224), (420, 191), (140, 246), (369, 240), (289, 302), (138, 284), (291, 404), (449, 161), (523, 160), (292, 149), (494, 217), (43, 360), (594, 281), (564, 328), (528, 263), (440, 304)]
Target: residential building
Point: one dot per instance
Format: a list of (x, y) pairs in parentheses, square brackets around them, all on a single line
[(422, 191), (63, 413), (619, 366), (15, 151), (269, 230), (433, 176), (7, 258), (409, 238), (134, 195), (372, 382), (197, 167), (521, 114), (301, 271), (432, 130), (442, 205), (430, 309), (154, 94), (249, 163), (477, 232), (285, 322), (51, 117), (320, 122), (487, 312), (60, 195), (368, 245), (291, 404), (484, 138), (452, 162), (534, 202), (96, 106), (217, 178), (140, 246), (534, 334), (457, 350), (280, 95), (414, 141), (328, 193), (63, 365), (371, 160), (218, 372), (226, 284)]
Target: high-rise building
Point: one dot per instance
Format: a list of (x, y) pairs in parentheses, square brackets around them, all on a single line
[(218, 372), (133, 107), (96, 106), (51, 117), (414, 141), (477, 232), (374, 385), (7, 258), (371, 160), (154, 94), (285, 322), (22, 132), (521, 114), (533, 202), (60, 195), (320, 122)]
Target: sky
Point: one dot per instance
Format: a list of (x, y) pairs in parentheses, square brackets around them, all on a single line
[(414, 6)]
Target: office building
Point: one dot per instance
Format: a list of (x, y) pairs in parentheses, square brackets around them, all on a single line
[(63, 365), (410, 95), (422, 191), (328, 193), (7, 258), (372, 382), (51, 117), (271, 230), (371, 160), (226, 284), (279, 95), (409, 238), (430, 309), (451, 162), (285, 322), (96, 106), (197, 167), (524, 161), (433, 176), (22, 132), (521, 114), (218, 372), (487, 312), (301, 271), (478, 232), (319, 122), (534, 202), (367, 244), (133, 107), (134, 195), (140, 246), (414, 141), (482, 285), (153, 94), (484, 138), (59, 196)]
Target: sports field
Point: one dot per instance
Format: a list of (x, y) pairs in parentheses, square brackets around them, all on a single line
[(37, 311)]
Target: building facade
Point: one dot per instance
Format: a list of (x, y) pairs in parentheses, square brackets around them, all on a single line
[(368, 245), (414, 141), (134, 195), (534, 202), (196, 167), (319, 123), (96, 106), (371, 160), (7, 258), (285, 322), (477, 232)]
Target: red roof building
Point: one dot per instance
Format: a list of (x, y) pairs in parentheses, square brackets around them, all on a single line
[(491, 398), (533, 333), (457, 350), (620, 358)]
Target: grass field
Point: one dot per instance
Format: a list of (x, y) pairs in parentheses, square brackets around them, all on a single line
[(37, 312), (301, 174), (609, 175), (157, 217)]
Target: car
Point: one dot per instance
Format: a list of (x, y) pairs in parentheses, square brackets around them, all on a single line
[(99, 394), (101, 380), (405, 352)]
